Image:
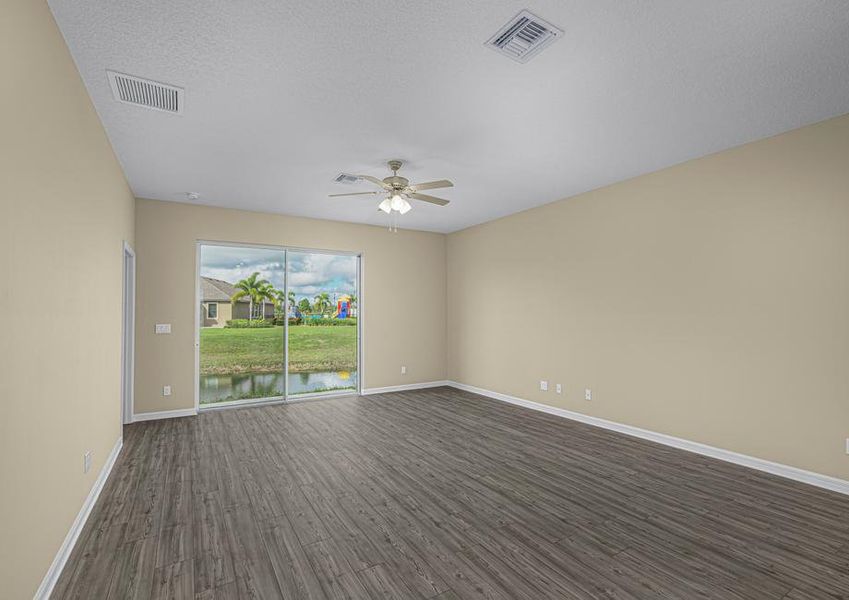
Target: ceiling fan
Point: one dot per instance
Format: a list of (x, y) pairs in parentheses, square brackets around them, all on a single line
[(398, 190)]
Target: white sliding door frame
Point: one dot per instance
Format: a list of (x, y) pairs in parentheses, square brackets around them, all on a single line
[(286, 397)]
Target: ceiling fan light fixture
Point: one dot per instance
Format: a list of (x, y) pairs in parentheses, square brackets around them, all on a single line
[(398, 190), (397, 202)]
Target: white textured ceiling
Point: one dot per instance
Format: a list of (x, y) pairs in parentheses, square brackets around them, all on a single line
[(281, 96)]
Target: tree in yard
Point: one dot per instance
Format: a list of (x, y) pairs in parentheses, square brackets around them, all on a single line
[(304, 305), (321, 303), (282, 304), (352, 304), (265, 293), (253, 288), (279, 304)]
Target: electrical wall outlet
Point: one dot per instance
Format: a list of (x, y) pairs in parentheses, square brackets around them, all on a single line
[(543, 385), (588, 394), (163, 328), (87, 461), (166, 390), (558, 388), (403, 370)]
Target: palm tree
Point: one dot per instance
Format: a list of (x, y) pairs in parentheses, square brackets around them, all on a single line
[(281, 302), (321, 302), (265, 292), (250, 287)]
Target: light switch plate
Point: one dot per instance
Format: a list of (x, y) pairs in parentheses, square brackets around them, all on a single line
[(588, 394), (163, 328), (166, 390), (558, 388), (543, 385)]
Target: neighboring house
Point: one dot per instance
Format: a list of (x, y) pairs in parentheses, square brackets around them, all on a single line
[(217, 307)]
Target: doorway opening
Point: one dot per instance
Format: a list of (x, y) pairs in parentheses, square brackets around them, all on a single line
[(128, 326), (275, 324)]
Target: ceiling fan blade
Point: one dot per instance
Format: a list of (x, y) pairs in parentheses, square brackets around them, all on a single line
[(432, 185), (431, 199), (375, 180), (353, 194)]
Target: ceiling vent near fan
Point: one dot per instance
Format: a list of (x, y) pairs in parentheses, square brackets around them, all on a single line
[(146, 93), (523, 37), (346, 178)]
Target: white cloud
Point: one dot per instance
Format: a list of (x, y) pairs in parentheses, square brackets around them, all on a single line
[(309, 274)]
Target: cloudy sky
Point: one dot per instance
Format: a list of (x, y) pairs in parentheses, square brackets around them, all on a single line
[(309, 274)]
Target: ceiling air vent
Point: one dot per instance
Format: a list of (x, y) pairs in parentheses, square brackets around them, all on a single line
[(147, 93), (524, 37), (346, 178)]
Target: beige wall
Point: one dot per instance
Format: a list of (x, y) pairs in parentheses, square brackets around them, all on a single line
[(403, 292), (65, 209), (708, 301)]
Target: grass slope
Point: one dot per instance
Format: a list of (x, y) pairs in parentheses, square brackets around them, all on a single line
[(228, 351)]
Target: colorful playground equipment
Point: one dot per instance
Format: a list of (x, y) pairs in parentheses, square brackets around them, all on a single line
[(343, 307)]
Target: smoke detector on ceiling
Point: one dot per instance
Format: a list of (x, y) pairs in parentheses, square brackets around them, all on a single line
[(147, 93), (523, 37)]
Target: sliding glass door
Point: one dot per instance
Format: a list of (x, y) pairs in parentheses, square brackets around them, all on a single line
[(275, 323), (242, 338), (322, 342)]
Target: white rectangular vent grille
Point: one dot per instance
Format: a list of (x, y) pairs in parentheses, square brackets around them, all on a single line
[(524, 37), (147, 93), (346, 178)]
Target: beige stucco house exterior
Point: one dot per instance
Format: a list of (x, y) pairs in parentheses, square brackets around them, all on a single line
[(217, 307)]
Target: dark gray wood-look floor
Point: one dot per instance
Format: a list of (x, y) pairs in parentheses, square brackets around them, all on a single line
[(443, 494)]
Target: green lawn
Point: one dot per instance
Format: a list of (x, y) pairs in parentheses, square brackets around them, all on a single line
[(227, 351)]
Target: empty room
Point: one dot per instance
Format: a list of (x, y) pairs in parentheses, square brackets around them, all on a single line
[(424, 300)]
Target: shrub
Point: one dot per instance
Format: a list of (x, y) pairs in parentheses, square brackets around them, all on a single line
[(248, 324), (292, 321), (326, 321)]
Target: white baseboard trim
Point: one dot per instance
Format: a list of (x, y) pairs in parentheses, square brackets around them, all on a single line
[(403, 388), (52, 576), (816, 479), (164, 414)]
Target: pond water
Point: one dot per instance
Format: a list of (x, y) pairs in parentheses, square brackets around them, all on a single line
[(223, 388)]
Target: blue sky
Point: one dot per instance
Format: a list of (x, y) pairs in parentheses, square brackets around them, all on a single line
[(309, 274)]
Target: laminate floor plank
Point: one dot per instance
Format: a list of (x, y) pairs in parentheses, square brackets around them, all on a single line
[(255, 577), (213, 561), (295, 573), (173, 582), (382, 583), (134, 570), (442, 494)]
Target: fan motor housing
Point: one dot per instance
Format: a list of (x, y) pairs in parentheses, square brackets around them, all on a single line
[(397, 182)]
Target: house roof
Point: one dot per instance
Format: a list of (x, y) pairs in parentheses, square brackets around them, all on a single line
[(217, 290)]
